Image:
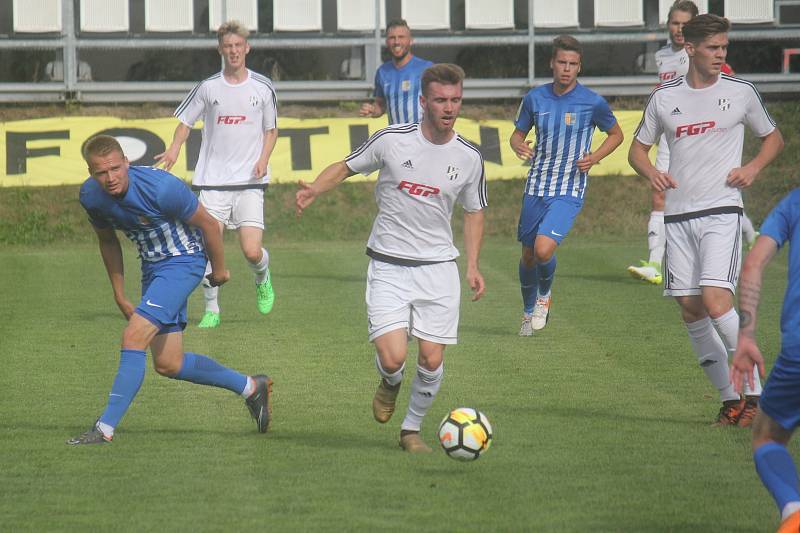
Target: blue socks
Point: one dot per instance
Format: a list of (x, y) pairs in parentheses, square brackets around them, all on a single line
[(529, 284), (130, 375), (546, 273), (205, 371), (778, 473)]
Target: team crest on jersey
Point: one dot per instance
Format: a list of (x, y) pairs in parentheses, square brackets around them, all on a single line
[(254, 101), (724, 104), (452, 172), (406, 86), (569, 119)]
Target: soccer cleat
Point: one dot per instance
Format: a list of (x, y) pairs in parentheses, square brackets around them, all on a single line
[(413, 443), (526, 329), (259, 402), (649, 272), (748, 412), (384, 400), (265, 296), (729, 413), (93, 436), (209, 320), (791, 524), (541, 312)]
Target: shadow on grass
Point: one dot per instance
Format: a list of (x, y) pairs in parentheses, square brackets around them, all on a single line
[(325, 277)]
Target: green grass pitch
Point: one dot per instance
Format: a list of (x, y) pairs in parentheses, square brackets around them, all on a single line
[(601, 421)]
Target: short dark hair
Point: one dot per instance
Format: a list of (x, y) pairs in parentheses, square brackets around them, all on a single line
[(568, 43), (397, 23), (683, 5), (101, 145), (704, 26), (444, 73)]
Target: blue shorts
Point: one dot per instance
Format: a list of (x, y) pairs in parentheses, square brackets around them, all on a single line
[(551, 216), (781, 397), (166, 286)]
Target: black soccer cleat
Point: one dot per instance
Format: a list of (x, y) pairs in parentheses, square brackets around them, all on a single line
[(259, 402)]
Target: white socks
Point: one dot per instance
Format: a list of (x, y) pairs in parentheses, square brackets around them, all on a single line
[(261, 269), (656, 237), (393, 378), (424, 387), (249, 388), (210, 293), (728, 327), (712, 356), (748, 231)]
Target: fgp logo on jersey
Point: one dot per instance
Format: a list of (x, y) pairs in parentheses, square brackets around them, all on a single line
[(417, 189), (231, 119), (694, 129)]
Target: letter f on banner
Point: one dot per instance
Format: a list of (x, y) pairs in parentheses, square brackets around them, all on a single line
[(17, 151)]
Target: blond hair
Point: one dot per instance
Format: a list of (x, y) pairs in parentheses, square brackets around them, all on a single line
[(232, 27), (101, 145)]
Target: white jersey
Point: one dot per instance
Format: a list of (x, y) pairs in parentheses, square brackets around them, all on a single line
[(418, 184), (704, 129), (235, 118), (670, 63)]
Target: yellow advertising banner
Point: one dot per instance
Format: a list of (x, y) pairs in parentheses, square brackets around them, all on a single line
[(48, 151)]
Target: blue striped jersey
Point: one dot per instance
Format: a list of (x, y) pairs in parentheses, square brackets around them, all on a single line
[(152, 213), (400, 89), (563, 126)]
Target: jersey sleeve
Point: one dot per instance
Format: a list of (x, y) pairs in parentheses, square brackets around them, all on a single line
[(193, 105), (377, 92), (524, 119), (269, 109), (87, 200), (473, 197), (649, 129), (778, 224), (175, 199), (602, 115), (757, 117), (368, 157)]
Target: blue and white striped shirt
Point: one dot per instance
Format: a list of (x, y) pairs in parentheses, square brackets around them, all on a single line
[(400, 88), (564, 126), (152, 213)]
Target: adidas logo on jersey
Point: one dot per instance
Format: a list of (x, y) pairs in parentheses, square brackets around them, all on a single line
[(407, 164), (676, 111), (215, 102)]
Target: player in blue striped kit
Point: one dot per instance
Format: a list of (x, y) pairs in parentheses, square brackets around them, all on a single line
[(165, 221), (564, 115), (779, 412), (397, 82)]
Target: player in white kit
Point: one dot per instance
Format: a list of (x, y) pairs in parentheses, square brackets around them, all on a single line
[(412, 281), (703, 116), (239, 112), (672, 62)]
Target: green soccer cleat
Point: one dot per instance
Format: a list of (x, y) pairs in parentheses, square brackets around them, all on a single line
[(649, 272), (210, 320), (265, 296)]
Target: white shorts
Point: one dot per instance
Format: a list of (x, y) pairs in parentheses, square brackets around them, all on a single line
[(424, 300), (703, 251), (235, 208)]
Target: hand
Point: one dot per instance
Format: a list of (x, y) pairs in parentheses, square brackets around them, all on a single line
[(586, 162), (260, 170), (476, 283), (741, 177), (215, 279), (523, 150), (367, 109), (304, 197), (661, 181), (166, 159), (746, 357), (126, 307)]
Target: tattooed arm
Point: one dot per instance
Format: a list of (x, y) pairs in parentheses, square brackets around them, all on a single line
[(747, 353)]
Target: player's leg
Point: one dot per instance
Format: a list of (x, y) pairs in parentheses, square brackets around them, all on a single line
[(218, 204), (424, 387), (531, 215), (391, 349), (650, 270), (772, 429), (248, 217)]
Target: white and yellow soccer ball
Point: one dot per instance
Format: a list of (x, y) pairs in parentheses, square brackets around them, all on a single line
[(465, 433)]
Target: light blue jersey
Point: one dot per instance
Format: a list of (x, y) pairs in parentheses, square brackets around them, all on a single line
[(400, 88), (783, 225), (152, 213), (564, 126)]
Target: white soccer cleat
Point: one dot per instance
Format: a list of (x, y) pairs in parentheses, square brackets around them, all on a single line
[(541, 312), (646, 272), (526, 329)]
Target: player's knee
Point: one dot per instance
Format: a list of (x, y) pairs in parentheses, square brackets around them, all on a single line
[(252, 254), (543, 254), (528, 258), (167, 369), (135, 337)]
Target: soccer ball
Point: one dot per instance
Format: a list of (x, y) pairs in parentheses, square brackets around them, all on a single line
[(465, 433)]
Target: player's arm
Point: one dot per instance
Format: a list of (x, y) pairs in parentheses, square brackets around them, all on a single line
[(270, 138), (111, 252), (771, 146), (640, 162), (614, 138), (329, 178), (213, 243), (473, 238), (167, 159), (520, 146), (747, 353), (373, 109)]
